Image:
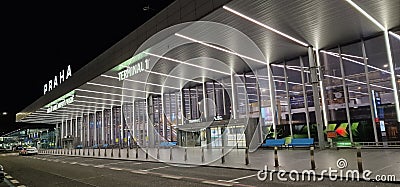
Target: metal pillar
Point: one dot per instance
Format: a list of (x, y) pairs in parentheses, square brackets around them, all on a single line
[(346, 97), (392, 75), (234, 96), (369, 89), (273, 99), (288, 99), (305, 97), (314, 82)]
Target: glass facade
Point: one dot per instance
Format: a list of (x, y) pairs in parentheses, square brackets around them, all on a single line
[(357, 100)]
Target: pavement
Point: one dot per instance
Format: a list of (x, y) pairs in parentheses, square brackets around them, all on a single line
[(376, 164)]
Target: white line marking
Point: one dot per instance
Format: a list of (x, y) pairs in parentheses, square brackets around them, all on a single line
[(156, 168), (216, 183), (172, 177), (139, 172), (21, 186), (14, 181), (240, 178), (8, 177), (84, 164), (119, 169)]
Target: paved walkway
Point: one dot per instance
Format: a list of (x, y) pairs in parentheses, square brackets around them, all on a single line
[(378, 161)]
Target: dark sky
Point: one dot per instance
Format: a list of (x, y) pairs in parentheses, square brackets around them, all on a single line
[(39, 39)]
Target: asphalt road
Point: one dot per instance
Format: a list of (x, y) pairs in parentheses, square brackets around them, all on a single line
[(50, 170)]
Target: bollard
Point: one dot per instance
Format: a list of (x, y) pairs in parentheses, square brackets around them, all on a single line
[(246, 152), (276, 156), (185, 154), (105, 152), (170, 153), (158, 152), (312, 157), (119, 152), (127, 152), (147, 153), (88, 153), (71, 152), (137, 151), (79, 152), (75, 152), (112, 152), (223, 156), (99, 152), (83, 151), (359, 160), (93, 152), (202, 154)]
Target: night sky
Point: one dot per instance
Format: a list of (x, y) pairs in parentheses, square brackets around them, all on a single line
[(40, 39)]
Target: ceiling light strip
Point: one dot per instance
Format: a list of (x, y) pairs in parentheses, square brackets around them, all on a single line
[(189, 64), (111, 77), (366, 15), (116, 87), (266, 26), (219, 48), (163, 74)]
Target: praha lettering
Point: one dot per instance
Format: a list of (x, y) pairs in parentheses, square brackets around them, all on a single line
[(133, 70), (57, 80)]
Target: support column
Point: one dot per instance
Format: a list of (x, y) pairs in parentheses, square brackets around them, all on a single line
[(88, 129), (205, 101), (102, 126), (345, 91), (314, 82), (371, 100), (121, 129), (305, 97), (62, 133), (81, 127), (392, 75), (322, 89), (95, 128), (111, 126), (288, 99), (57, 130), (234, 96), (273, 99)]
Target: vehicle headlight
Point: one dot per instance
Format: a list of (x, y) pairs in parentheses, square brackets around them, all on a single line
[(1, 168)]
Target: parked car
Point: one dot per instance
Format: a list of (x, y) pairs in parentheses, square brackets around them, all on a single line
[(28, 151), (2, 175)]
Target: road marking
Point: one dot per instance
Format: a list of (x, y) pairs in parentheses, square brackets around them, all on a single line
[(118, 169), (156, 168), (138, 172), (82, 164), (21, 186), (115, 163), (240, 178), (99, 166), (216, 183), (14, 181), (73, 162), (8, 177), (172, 177)]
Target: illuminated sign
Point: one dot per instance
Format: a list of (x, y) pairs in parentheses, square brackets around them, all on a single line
[(53, 83), (60, 104), (134, 69)]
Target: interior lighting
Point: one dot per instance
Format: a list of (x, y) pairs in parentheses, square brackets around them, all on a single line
[(265, 26)]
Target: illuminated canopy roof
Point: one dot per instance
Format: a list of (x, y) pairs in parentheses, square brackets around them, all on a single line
[(281, 29)]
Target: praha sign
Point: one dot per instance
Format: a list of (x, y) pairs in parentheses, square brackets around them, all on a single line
[(53, 83), (60, 104)]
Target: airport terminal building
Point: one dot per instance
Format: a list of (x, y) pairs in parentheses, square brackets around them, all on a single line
[(208, 73)]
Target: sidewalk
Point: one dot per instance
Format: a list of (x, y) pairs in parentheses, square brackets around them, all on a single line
[(378, 161)]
